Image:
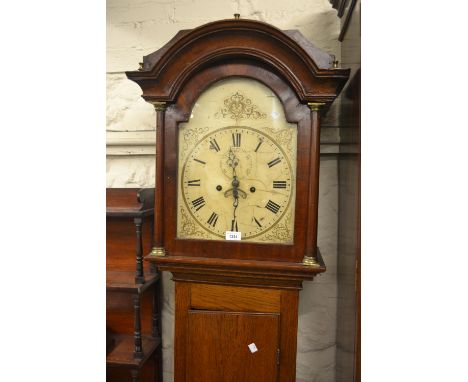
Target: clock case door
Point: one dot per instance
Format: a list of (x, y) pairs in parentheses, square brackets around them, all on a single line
[(299, 74)]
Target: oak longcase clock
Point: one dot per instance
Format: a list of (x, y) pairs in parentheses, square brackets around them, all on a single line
[(238, 105)]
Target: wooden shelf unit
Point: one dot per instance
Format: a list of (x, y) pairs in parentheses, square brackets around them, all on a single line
[(132, 349)]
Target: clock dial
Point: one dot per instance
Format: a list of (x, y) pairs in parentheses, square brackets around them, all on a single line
[(243, 182), (237, 162)]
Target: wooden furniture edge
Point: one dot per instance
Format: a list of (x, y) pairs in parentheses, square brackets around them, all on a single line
[(132, 287), (122, 340), (128, 213), (273, 274), (144, 197)]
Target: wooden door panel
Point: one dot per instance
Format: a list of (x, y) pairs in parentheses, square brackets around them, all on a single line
[(217, 346)]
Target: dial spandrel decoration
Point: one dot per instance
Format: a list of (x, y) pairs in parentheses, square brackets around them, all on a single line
[(237, 166)]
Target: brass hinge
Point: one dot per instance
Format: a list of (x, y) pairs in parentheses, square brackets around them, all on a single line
[(277, 356)]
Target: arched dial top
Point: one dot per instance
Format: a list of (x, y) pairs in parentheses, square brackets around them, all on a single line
[(237, 161)]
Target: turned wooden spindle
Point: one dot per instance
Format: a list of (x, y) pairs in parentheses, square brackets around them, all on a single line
[(139, 275), (138, 352)]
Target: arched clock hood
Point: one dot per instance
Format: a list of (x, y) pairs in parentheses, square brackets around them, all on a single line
[(306, 83), (308, 70)]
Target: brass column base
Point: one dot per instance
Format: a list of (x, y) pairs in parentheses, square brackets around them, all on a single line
[(158, 251), (310, 261)]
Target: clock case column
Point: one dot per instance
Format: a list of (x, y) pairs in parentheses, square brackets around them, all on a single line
[(158, 233)]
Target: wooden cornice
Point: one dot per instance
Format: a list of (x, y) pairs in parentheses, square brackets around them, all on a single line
[(308, 71)]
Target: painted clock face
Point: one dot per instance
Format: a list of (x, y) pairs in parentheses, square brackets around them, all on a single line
[(237, 160)]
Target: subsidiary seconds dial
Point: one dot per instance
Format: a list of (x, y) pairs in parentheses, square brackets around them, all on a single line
[(237, 179)]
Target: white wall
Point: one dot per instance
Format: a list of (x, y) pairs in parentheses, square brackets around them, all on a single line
[(137, 28)]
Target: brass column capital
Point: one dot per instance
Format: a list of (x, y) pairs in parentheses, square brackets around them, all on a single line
[(316, 106), (158, 105)]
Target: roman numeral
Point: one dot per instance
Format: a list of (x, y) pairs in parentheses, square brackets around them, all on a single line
[(259, 144), (236, 139), (214, 145), (272, 206), (198, 203), (213, 219), (234, 225), (279, 184), (273, 162), (256, 221), (195, 182), (199, 161)]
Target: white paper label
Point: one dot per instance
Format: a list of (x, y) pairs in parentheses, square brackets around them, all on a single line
[(253, 348), (232, 235)]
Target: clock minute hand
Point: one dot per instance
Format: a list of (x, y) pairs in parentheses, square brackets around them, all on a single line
[(235, 194)]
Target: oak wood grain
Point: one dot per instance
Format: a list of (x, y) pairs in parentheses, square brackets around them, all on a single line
[(119, 312), (239, 299), (121, 242), (181, 339), (288, 334), (218, 347)]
